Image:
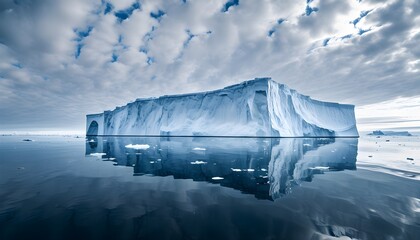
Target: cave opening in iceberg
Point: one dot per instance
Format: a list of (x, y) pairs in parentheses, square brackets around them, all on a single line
[(93, 128), (254, 108)]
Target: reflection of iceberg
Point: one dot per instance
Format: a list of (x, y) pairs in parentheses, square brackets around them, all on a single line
[(267, 168), (296, 160)]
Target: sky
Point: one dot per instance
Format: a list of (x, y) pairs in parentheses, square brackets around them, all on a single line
[(61, 60)]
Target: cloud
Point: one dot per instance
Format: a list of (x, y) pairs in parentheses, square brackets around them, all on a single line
[(61, 60), (399, 113)]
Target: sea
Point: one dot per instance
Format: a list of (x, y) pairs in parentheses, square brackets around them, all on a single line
[(71, 187)]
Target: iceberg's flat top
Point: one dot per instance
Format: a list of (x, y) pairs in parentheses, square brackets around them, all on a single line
[(257, 82)]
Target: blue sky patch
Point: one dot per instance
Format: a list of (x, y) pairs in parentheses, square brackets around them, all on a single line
[(325, 42), (114, 57), (157, 15), (346, 36), (363, 31), (309, 10), (362, 15), (108, 8), (78, 50), (126, 13), (190, 37), (83, 34), (229, 4)]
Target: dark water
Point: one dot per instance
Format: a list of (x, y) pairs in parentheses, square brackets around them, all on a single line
[(199, 188)]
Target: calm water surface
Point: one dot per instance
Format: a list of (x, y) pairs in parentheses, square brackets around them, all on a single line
[(209, 188)]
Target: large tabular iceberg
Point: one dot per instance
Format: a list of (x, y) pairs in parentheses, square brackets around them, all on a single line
[(255, 108)]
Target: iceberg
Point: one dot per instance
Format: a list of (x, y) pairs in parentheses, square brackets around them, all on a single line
[(254, 108), (390, 133)]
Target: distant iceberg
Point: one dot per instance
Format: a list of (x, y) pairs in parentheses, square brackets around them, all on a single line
[(389, 133), (255, 108)]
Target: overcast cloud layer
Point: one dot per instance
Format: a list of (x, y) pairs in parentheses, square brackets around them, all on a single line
[(60, 60)]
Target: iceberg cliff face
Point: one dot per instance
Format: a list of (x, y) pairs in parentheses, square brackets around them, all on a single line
[(260, 107)]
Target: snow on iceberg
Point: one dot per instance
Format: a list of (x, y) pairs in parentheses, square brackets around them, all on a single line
[(259, 107)]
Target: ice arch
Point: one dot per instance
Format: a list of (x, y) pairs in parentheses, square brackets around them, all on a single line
[(93, 129)]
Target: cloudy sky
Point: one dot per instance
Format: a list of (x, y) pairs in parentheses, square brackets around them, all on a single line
[(60, 60)]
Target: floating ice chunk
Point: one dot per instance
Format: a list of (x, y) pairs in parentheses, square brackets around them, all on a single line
[(199, 149), (198, 162), (152, 161), (415, 204), (249, 170), (306, 145), (236, 170), (91, 140), (319, 168), (217, 178), (263, 169), (138, 146), (97, 154)]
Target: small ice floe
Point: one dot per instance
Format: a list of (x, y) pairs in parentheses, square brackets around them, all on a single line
[(27, 140), (159, 160), (138, 146), (307, 145), (97, 154), (250, 170), (263, 169), (91, 140), (236, 170), (152, 162), (198, 162), (410, 159), (199, 149), (217, 178), (319, 168)]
